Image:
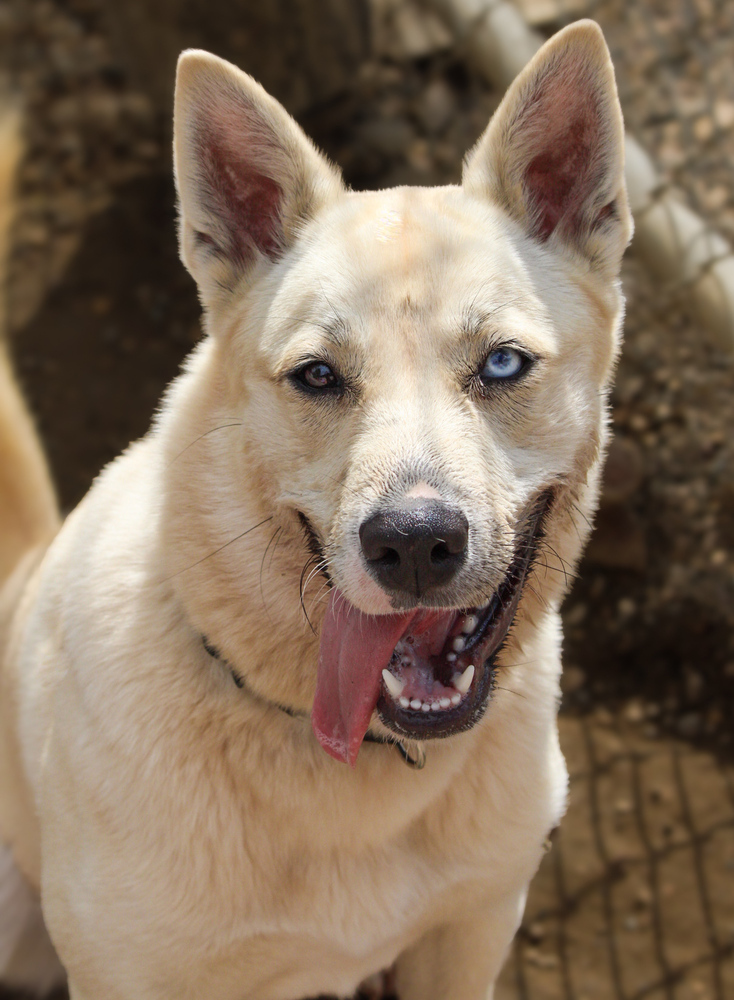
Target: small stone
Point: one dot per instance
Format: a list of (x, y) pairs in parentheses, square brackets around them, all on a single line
[(389, 136), (540, 959), (618, 541), (639, 422), (694, 685), (703, 128), (437, 107), (535, 932), (689, 725), (623, 471), (643, 898), (575, 615), (100, 305), (418, 156), (626, 608), (634, 711), (573, 679)]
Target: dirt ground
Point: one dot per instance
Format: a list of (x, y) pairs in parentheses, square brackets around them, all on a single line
[(636, 897)]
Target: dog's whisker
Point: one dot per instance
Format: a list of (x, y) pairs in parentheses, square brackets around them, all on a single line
[(519, 694), (554, 569), (539, 597), (272, 539), (217, 551), (579, 511), (318, 568), (321, 595), (201, 437), (316, 565), (563, 568)]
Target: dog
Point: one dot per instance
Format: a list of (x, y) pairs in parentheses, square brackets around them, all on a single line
[(279, 698)]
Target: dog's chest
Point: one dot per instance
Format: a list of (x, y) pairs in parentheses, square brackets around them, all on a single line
[(292, 907)]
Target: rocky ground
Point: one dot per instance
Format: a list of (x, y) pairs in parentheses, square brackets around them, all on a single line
[(102, 314)]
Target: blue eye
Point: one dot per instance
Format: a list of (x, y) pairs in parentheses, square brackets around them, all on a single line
[(503, 363)]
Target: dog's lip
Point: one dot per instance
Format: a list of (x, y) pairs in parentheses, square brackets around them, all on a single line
[(474, 661)]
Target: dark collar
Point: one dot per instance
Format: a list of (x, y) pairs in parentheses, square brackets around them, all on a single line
[(418, 761)]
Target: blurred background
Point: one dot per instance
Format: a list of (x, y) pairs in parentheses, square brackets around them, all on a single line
[(635, 899)]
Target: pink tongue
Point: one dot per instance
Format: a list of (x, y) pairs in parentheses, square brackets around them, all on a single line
[(355, 649)]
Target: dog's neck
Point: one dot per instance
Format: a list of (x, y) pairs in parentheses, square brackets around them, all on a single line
[(416, 759)]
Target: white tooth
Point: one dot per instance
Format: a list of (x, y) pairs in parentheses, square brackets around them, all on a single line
[(455, 699), (470, 624), (445, 702), (435, 706), (458, 643), (404, 702), (425, 707), (415, 704), (462, 682), (393, 685), (451, 657)]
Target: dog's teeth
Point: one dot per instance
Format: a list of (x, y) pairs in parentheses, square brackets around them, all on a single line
[(435, 705), (462, 682), (425, 707), (445, 702), (455, 699), (415, 704), (470, 624), (404, 702), (451, 657), (393, 685), (458, 643)]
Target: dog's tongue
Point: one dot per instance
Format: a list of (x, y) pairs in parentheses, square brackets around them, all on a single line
[(355, 649)]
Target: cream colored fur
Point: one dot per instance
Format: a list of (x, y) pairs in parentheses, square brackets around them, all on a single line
[(191, 840)]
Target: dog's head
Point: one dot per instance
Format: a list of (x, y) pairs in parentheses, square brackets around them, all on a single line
[(418, 375)]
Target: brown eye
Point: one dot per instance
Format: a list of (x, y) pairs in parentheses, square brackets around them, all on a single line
[(318, 375)]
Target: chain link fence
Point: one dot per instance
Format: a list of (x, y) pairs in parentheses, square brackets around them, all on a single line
[(635, 898)]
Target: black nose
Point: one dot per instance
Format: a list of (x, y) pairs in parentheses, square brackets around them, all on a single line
[(416, 546)]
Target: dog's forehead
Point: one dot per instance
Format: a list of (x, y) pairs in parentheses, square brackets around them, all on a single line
[(407, 240), (430, 253)]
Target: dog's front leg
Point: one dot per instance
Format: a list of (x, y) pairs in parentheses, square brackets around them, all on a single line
[(462, 959)]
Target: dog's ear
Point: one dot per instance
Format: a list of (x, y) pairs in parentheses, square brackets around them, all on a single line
[(247, 176), (553, 153)]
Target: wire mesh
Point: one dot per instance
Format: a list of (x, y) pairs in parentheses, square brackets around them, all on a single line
[(635, 898)]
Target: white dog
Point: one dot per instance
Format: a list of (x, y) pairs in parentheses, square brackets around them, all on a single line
[(358, 506)]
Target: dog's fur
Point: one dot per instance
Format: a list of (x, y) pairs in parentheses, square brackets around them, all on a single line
[(189, 838)]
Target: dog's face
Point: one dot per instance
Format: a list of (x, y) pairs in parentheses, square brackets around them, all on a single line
[(420, 374)]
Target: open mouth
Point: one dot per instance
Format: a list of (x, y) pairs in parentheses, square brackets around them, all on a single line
[(428, 672), (426, 695)]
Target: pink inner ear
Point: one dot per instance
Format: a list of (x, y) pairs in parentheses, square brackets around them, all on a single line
[(236, 188), (564, 120)]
